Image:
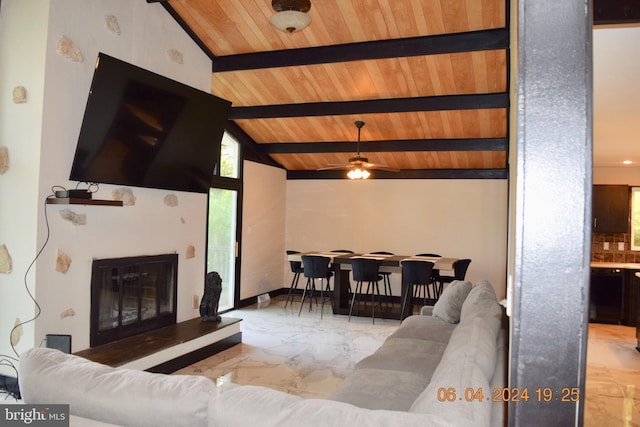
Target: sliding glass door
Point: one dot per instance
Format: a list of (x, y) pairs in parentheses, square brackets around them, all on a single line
[(221, 241)]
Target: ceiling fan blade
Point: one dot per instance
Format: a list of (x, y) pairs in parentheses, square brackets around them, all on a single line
[(358, 162), (336, 167), (381, 167)]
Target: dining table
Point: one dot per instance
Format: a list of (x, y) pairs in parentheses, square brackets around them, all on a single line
[(341, 267)]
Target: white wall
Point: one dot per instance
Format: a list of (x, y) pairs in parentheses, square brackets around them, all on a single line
[(455, 218), (263, 229), (149, 227), (23, 27)]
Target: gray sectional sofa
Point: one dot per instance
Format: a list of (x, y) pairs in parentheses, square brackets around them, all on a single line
[(439, 368)]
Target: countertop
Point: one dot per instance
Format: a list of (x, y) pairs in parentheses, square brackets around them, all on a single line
[(625, 265)]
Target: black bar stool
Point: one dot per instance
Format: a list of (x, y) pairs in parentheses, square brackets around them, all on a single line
[(296, 269), (366, 270), (460, 268), (315, 267), (386, 277), (416, 274)]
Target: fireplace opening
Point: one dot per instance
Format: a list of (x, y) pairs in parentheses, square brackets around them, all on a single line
[(132, 295)]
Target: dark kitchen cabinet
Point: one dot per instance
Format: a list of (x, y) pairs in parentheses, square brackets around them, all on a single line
[(606, 295), (613, 296), (610, 209)]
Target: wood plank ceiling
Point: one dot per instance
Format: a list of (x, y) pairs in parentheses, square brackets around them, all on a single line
[(428, 77)]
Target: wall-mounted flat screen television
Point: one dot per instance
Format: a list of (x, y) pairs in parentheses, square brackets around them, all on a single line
[(141, 129)]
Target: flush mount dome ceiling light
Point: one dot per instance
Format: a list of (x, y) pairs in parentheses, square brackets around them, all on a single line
[(291, 15)]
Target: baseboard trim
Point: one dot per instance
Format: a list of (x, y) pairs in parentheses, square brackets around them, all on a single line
[(284, 291), (254, 300), (187, 359)]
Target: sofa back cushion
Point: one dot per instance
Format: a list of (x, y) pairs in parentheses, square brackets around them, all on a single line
[(118, 396), (480, 295), (450, 302), (453, 394)]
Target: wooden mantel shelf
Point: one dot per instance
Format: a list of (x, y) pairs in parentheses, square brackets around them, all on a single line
[(96, 202)]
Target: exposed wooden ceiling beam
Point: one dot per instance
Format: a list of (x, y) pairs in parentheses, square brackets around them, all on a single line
[(407, 174), (250, 150), (379, 49), (395, 105), (466, 144)]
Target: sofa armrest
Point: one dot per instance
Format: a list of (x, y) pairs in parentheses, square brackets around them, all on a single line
[(114, 395), (427, 310)]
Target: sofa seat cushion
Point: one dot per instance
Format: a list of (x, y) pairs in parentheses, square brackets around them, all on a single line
[(380, 389), (113, 395), (424, 328), (418, 357)]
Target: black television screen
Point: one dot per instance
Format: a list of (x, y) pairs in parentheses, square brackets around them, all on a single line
[(141, 129)]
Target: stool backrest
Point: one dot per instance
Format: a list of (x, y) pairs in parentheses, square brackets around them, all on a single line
[(296, 266), (430, 255), (364, 269), (460, 268), (416, 272), (315, 266)]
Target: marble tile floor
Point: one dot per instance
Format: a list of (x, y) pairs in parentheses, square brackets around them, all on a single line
[(612, 392), (305, 356)]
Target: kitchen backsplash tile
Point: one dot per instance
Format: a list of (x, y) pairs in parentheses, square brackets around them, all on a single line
[(612, 254)]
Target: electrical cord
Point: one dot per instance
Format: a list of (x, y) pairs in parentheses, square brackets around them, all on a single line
[(92, 187), (26, 273), (10, 361)]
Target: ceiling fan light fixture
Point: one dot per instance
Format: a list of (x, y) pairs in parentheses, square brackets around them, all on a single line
[(358, 173), (291, 15)]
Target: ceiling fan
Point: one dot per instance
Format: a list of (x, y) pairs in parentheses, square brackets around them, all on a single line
[(358, 166)]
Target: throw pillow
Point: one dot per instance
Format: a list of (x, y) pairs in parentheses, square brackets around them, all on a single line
[(450, 302)]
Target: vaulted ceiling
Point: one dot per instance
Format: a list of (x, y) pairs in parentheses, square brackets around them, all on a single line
[(428, 77)]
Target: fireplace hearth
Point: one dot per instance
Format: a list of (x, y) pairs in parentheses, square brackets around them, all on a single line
[(132, 295)]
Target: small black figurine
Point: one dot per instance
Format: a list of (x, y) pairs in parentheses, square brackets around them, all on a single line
[(211, 298)]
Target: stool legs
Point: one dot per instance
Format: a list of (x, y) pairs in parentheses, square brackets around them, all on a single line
[(292, 289), (311, 287), (324, 289), (372, 287), (386, 283)]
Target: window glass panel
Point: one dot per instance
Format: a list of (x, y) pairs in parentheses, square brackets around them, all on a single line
[(229, 157), (635, 218)]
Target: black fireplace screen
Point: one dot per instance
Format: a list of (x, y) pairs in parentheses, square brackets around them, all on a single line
[(132, 295)]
